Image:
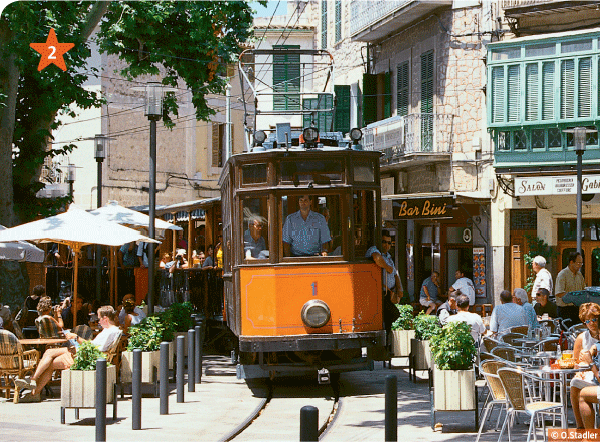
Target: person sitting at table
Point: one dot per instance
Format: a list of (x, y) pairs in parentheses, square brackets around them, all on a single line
[(544, 305), (520, 297), (473, 319), (45, 310), (166, 261), (122, 313), (589, 314), (67, 312), (507, 315), (132, 317), (62, 358), (430, 290), (448, 308)]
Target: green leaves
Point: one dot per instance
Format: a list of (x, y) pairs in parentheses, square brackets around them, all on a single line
[(148, 334), (405, 321), (426, 326), (86, 356), (179, 316), (454, 348)]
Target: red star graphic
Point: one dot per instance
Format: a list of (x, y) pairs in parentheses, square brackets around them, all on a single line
[(52, 51)]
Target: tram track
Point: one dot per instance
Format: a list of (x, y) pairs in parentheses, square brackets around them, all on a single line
[(277, 416)]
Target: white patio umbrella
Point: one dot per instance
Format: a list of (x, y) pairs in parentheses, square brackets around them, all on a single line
[(20, 251), (75, 228)]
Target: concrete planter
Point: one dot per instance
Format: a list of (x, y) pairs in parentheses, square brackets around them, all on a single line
[(401, 342), (150, 359), (454, 390), (421, 354), (78, 388)]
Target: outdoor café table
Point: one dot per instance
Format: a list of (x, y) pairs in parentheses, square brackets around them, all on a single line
[(38, 342), (543, 371)]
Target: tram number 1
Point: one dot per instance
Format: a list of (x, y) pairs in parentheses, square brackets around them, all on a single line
[(314, 288)]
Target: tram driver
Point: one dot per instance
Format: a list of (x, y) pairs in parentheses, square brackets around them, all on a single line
[(305, 233), (254, 243)]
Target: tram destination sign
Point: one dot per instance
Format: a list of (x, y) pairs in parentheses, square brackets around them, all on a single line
[(422, 208)]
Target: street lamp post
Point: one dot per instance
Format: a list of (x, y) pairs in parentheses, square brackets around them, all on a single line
[(71, 178), (100, 150), (579, 138)]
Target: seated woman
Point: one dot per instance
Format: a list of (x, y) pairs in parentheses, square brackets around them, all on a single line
[(589, 314), (62, 358), (132, 317), (45, 310)]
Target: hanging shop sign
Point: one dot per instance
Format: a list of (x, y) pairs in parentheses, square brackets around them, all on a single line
[(556, 185), (423, 208)]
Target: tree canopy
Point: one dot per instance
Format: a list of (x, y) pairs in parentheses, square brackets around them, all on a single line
[(182, 41)]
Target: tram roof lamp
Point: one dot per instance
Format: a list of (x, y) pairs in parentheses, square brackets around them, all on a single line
[(259, 137), (355, 135), (310, 134)]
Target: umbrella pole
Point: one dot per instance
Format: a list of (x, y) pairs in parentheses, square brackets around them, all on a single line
[(116, 291), (76, 249)]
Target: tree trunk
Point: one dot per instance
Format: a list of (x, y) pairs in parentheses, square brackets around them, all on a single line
[(10, 82)]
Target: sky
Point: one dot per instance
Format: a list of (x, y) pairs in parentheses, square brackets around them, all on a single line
[(279, 6)]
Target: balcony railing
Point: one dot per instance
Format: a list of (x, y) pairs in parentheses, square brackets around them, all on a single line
[(404, 135), (365, 14), (507, 4)]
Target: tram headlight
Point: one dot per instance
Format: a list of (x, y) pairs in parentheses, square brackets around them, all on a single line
[(355, 135), (310, 134), (259, 137), (315, 313)]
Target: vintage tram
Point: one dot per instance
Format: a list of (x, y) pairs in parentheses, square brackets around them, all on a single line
[(292, 314)]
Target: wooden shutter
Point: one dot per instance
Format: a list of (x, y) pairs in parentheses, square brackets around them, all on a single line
[(427, 101), (584, 104), (286, 78), (514, 93), (216, 145), (342, 108), (338, 21), (548, 90), (402, 89), (324, 24), (322, 120), (498, 95), (567, 89), (369, 99), (531, 92)]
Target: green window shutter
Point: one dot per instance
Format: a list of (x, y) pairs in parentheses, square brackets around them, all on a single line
[(342, 109), (387, 97), (338, 21), (324, 24), (531, 92), (567, 89), (309, 103), (548, 90), (514, 93), (427, 101), (369, 110), (402, 89), (322, 120), (498, 95), (584, 104), (286, 78)]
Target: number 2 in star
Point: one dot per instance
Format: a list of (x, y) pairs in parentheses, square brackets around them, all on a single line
[(52, 51)]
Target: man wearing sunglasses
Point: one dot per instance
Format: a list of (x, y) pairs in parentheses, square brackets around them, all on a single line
[(392, 287), (568, 280)]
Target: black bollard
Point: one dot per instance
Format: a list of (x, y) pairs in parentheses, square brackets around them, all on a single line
[(164, 378), (136, 391), (100, 400), (191, 359), (391, 408), (309, 424), (180, 366), (198, 355)]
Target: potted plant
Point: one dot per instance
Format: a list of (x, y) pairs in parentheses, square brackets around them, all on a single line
[(402, 331), (454, 351), (426, 326), (179, 317), (145, 336), (78, 383)]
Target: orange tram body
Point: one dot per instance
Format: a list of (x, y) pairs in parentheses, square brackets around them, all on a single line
[(302, 314)]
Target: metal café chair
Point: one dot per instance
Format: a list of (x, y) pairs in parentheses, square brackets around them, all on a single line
[(521, 329), (489, 370), (515, 384), (509, 338)]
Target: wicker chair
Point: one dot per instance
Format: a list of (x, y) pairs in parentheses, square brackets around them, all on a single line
[(490, 343), (548, 323), (507, 353), (113, 355), (84, 332), (548, 344), (14, 362), (509, 338), (514, 384), (489, 370), (47, 327), (521, 329)]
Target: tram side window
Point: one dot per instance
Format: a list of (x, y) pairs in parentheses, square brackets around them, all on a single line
[(312, 225), (255, 229), (365, 221)]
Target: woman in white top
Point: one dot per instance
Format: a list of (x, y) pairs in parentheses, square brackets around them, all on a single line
[(131, 316), (62, 358), (589, 314)]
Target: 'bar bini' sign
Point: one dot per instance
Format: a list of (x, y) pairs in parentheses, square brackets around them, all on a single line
[(423, 208)]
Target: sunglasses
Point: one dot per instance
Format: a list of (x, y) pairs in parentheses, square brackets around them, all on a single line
[(587, 321), (386, 242)]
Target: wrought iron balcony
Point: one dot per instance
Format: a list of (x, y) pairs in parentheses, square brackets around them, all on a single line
[(373, 20), (402, 136)]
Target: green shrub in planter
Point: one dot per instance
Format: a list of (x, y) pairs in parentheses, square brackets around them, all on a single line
[(405, 321), (454, 348), (148, 334), (179, 316), (86, 356), (426, 326)]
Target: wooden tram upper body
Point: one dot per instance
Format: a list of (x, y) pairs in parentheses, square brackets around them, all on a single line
[(269, 300)]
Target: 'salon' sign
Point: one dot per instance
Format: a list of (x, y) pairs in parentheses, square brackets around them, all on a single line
[(420, 208), (556, 185)]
